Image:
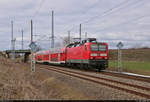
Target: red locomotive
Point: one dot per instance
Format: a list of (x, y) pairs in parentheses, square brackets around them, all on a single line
[(88, 53)]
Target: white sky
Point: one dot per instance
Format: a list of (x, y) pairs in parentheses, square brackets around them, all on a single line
[(107, 20)]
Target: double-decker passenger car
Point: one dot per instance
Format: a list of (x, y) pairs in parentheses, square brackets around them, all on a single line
[(88, 53)]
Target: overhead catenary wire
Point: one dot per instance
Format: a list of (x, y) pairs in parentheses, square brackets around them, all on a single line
[(122, 3), (38, 10), (94, 16), (82, 13), (129, 20), (116, 6), (107, 12), (111, 10), (35, 14), (120, 23), (124, 23)]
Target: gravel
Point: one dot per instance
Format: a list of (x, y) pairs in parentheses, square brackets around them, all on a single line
[(92, 90), (131, 81)]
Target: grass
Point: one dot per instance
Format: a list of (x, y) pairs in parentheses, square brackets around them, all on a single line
[(132, 66)]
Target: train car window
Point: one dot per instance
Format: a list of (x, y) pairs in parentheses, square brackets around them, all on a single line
[(75, 45), (70, 45), (84, 41), (78, 45)]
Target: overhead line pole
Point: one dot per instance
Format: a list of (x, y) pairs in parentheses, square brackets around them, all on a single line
[(81, 48), (80, 33), (22, 39), (12, 38), (31, 31), (32, 54), (11, 31), (12, 41), (69, 37), (52, 43), (85, 35)]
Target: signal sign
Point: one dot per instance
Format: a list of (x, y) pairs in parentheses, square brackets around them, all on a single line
[(120, 45), (33, 46)]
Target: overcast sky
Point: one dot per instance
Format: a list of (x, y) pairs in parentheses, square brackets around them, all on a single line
[(108, 20)]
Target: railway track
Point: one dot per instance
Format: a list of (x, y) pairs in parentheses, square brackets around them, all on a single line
[(129, 88), (138, 78)]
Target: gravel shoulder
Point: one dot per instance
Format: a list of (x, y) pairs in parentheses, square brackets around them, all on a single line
[(92, 90), (120, 79)]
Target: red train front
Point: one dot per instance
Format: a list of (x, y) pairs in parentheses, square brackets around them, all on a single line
[(88, 53)]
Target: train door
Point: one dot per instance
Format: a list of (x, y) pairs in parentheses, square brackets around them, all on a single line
[(49, 56), (59, 57), (63, 56)]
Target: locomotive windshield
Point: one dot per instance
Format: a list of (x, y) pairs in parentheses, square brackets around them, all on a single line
[(102, 47), (96, 47)]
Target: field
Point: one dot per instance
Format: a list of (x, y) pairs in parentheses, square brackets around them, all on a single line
[(133, 60)]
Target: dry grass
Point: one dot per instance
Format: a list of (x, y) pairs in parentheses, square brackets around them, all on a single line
[(17, 82)]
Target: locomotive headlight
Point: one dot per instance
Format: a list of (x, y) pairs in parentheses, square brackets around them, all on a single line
[(103, 54), (105, 57), (94, 54)]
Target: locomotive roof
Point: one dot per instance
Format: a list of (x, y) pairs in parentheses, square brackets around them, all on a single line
[(90, 39)]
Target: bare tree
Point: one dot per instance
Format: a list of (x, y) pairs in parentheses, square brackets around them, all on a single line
[(66, 40)]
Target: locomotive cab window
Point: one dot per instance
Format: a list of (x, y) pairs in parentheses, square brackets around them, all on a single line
[(102, 47), (92, 40), (78, 45), (84, 41), (96, 47)]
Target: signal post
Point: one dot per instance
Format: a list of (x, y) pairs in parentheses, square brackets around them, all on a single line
[(33, 47), (120, 45)]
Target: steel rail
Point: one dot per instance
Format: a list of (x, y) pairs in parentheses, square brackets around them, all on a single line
[(95, 80), (114, 81), (138, 78)]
